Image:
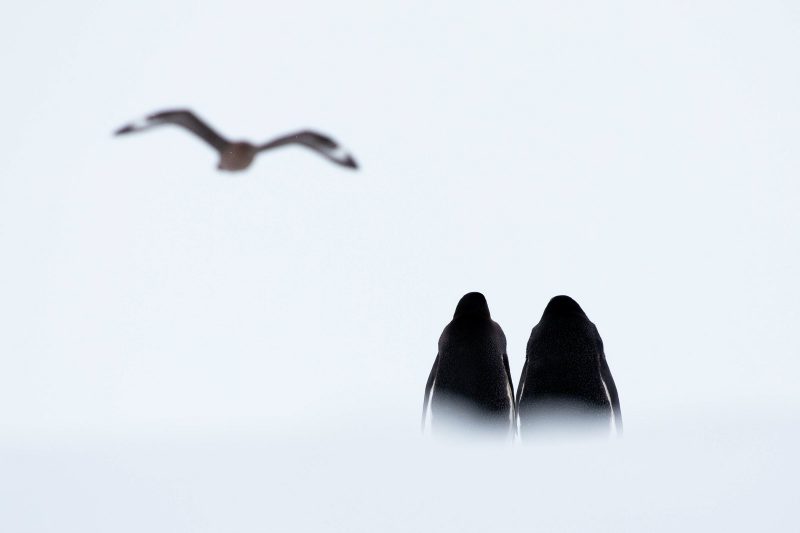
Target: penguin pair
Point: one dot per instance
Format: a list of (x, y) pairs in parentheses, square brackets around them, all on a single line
[(566, 384)]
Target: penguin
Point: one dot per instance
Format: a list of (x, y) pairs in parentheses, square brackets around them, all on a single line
[(469, 386), (566, 386)]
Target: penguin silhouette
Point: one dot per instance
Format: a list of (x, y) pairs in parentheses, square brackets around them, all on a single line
[(566, 386), (470, 387)]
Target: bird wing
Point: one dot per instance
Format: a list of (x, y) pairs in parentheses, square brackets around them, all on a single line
[(511, 385), (321, 144), (522, 380), (608, 379), (613, 395), (428, 387), (179, 117)]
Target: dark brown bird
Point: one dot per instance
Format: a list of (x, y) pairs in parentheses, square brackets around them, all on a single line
[(238, 155)]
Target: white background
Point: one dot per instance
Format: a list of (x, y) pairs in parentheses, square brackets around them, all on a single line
[(640, 157)]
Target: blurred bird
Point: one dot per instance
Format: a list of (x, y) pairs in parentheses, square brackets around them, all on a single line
[(238, 155)]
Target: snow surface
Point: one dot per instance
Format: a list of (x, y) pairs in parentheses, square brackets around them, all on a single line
[(698, 477)]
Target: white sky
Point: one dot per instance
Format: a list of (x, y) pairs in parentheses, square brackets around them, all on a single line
[(640, 158)]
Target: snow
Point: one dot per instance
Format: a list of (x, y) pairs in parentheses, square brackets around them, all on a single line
[(695, 477)]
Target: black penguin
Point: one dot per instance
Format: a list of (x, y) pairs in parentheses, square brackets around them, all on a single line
[(470, 385), (566, 384)]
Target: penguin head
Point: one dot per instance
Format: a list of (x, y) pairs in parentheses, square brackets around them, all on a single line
[(472, 304), (563, 306)]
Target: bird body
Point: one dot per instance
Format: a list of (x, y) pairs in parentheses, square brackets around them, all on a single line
[(469, 386), (566, 385), (239, 155)]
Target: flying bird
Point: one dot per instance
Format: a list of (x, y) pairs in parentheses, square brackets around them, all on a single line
[(238, 155)]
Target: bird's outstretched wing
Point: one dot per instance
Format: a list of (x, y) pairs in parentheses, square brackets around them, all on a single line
[(321, 144), (179, 117)]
